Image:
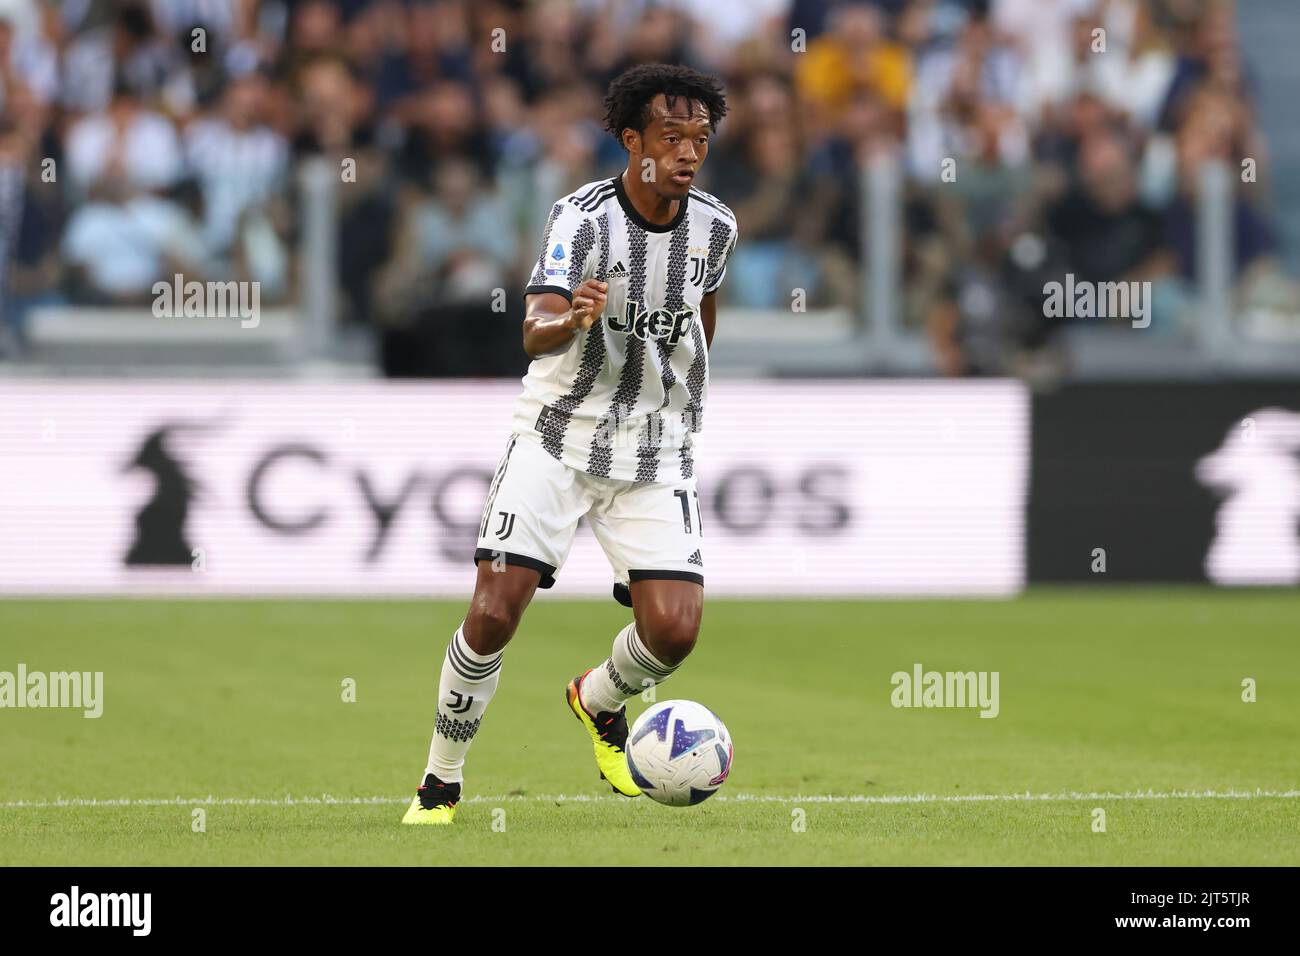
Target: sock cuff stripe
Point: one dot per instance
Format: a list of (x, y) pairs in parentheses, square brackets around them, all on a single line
[(645, 662), (469, 655), (467, 668), (469, 663), (643, 657), (473, 677)]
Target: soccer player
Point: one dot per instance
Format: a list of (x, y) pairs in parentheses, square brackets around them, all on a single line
[(620, 314)]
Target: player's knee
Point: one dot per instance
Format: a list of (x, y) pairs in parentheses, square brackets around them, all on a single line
[(670, 634), (490, 624)]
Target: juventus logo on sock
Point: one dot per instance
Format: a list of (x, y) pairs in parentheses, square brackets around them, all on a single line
[(461, 703), (465, 688)]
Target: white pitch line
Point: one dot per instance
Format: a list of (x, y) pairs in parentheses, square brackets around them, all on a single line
[(330, 800)]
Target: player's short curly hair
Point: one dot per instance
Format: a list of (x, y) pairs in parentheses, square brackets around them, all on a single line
[(627, 104)]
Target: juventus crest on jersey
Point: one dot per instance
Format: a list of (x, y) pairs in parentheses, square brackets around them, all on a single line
[(625, 398)]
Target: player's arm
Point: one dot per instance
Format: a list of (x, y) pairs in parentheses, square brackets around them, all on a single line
[(709, 316), (551, 322), (709, 301)]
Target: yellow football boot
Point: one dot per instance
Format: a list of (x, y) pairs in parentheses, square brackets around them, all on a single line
[(608, 739), (434, 803)]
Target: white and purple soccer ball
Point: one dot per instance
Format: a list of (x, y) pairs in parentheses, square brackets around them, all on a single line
[(679, 753)]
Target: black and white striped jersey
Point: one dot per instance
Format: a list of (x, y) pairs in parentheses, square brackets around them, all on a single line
[(626, 397)]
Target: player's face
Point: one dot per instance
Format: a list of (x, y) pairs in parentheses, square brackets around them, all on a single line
[(677, 140)]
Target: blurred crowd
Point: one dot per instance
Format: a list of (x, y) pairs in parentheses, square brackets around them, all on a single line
[(143, 138)]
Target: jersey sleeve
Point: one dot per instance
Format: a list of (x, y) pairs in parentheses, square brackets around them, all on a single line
[(718, 261), (568, 252)]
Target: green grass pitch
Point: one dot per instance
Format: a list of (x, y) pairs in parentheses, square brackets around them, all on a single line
[(1124, 700)]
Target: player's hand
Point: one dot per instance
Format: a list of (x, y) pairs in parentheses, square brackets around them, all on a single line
[(588, 304)]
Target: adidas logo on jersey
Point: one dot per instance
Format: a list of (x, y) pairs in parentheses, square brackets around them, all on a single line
[(659, 324), (618, 272)]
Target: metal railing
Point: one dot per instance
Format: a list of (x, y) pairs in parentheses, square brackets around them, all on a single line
[(874, 340)]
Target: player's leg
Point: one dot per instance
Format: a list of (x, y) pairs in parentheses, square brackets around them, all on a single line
[(666, 624), (650, 532), (527, 529), (471, 670)]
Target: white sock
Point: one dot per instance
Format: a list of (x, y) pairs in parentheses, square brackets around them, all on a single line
[(629, 670), (467, 684)]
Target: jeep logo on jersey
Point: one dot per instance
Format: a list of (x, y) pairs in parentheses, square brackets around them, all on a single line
[(659, 324)]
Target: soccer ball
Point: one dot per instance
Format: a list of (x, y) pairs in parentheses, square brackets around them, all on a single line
[(679, 753)]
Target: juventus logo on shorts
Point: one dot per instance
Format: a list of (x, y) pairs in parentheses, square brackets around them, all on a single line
[(697, 270), (461, 703), (507, 524)]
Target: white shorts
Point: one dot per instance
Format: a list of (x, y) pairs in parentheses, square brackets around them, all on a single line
[(647, 529)]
